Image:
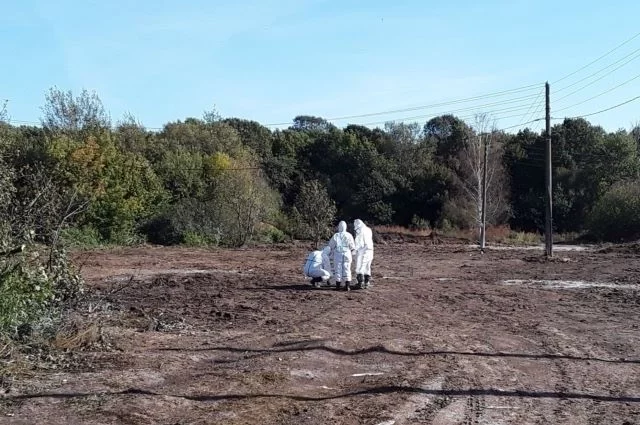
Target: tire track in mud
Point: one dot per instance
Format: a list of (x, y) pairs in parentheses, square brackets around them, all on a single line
[(421, 408), (475, 407), (564, 382), (459, 410), (596, 414)]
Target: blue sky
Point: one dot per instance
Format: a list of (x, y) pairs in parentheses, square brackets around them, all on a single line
[(270, 60)]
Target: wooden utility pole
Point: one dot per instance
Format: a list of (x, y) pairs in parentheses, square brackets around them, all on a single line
[(548, 222), (483, 225)]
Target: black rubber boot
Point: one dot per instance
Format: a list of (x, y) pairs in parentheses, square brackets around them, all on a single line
[(360, 279), (347, 285), (366, 280), (337, 285), (316, 282)]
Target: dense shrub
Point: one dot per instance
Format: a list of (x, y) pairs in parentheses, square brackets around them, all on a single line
[(188, 221), (33, 284), (82, 237), (616, 216)]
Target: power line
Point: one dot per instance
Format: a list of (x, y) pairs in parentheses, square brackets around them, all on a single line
[(521, 89), (601, 94), (529, 87), (598, 59), (519, 125), (598, 72), (22, 122), (515, 108), (438, 114), (601, 111), (536, 111), (598, 79), (511, 91)]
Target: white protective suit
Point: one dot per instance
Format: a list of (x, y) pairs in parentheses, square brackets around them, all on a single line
[(364, 250), (342, 244), (315, 265)]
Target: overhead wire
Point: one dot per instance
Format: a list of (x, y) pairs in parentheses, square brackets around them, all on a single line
[(509, 92), (597, 59), (600, 94), (596, 80), (602, 69), (526, 116), (602, 110), (464, 117), (521, 89)]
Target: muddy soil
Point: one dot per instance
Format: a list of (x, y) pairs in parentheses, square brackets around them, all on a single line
[(446, 335)]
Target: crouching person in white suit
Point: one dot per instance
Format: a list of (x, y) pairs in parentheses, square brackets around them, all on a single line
[(318, 267)]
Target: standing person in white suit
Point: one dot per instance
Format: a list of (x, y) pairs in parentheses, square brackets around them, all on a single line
[(364, 253), (342, 245)]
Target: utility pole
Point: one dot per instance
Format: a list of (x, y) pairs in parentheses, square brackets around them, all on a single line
[(483, 225), (548, 222)]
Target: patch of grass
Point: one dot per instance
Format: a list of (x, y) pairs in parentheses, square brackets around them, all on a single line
[(76, 338), (494, 234), (195, 239), (572, 237), (498, 233), (399, 230), (522, 238), (462, 234)]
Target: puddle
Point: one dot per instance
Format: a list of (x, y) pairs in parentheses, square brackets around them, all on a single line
[(303, 374), (368, 374), (568, 284)]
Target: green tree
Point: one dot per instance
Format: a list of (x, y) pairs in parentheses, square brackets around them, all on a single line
[(121, 188), (183, 174), (616, 216), (243, 199), (447, 134), (131, 136), (254, 136), (316, 209), (201, 136), (312, 124), (587, 161)]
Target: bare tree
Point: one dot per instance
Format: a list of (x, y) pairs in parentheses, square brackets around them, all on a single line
[(68, 114), (41, 204), (481, 175), (3, 111)]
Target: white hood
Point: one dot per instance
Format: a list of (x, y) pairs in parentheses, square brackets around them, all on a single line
[(342, 227)]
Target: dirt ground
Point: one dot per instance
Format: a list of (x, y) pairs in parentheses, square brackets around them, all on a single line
[(446, 335)]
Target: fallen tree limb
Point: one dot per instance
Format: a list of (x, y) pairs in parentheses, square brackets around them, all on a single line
[(13, 251)]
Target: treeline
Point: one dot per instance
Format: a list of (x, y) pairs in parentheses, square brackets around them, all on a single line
[(229, 181)]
